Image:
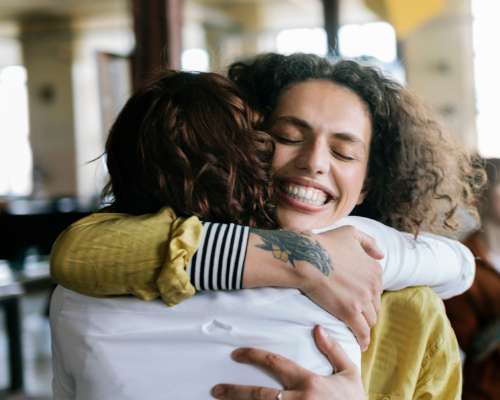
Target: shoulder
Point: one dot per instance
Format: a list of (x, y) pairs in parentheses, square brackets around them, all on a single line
[(419, 300), (420, 313), (413, 336), (421, 310)]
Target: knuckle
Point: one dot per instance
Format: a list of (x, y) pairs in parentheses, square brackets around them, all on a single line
[(272, 360), (366, 296), (355, 308), (312, 381), (258, 393), (350, 310)]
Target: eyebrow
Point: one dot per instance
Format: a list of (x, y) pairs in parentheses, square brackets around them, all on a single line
[(302, 124)]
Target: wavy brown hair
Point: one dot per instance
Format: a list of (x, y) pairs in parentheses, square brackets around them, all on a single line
[(417, 175), (187, 141)]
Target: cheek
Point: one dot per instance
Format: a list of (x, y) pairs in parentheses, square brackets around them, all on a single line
[(282, 156), (351, 180)]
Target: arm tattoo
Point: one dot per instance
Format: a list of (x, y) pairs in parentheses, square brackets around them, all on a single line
[(290, 247)]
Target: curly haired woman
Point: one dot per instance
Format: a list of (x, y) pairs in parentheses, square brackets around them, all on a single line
[(384, 140)]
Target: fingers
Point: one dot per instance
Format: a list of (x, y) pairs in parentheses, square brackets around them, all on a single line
[(332, 350), (369, 245), (370, 314), (239, 392), (377, 299), (285, 371), (360, 328)]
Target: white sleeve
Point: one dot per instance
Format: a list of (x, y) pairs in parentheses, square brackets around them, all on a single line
[(446, 265), (443, 264), (63, 386)]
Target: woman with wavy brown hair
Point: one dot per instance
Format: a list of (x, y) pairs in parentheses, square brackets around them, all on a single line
[(389, 147), (186, 139)]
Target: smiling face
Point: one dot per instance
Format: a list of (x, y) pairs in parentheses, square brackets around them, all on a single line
[(322, 132)]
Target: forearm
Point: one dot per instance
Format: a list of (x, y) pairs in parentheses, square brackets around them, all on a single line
[(430, 260), (232, 257), (116, 254)]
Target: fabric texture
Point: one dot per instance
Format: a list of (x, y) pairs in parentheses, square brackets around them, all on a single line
[(475, 316), (113, 343), (405, 354), (148, 256), (219, 262), (109, 254), (413, 352)]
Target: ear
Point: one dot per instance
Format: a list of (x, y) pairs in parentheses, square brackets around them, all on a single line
[(364, 192)]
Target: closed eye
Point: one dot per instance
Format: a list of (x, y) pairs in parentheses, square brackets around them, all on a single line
[(342, 156), (284, 140)]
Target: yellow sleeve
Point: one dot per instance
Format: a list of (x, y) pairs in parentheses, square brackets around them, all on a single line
[(109, 254), (413, 352)]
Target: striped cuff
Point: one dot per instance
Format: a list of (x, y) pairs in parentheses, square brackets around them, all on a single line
[(218, 264)]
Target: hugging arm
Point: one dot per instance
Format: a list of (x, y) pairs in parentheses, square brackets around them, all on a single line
[(445, 265), (157, 255), (151, 256)]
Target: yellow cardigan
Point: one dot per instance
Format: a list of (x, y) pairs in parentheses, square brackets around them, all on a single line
[(413, 352)]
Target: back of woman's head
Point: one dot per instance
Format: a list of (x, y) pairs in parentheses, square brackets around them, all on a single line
[(187, 141), (417, 175)]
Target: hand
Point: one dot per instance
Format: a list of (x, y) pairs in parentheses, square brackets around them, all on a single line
[(298, 382), (353, 289)]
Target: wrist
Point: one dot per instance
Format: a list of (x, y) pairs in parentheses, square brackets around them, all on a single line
[(264, 269)]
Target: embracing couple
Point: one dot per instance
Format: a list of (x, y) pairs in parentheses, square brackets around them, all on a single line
[(271, 210)]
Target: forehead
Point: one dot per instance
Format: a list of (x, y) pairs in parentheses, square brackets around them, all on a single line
[(325, 106)]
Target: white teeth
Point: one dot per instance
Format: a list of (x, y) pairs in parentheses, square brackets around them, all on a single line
[(306, 194)]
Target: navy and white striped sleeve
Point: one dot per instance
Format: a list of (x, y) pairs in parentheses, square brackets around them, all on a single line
[(218, 264)]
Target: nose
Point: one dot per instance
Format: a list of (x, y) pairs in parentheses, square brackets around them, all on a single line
[(314, 158)]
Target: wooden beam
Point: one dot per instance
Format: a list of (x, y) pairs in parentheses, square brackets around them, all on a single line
[(158, 35), (331, 24)]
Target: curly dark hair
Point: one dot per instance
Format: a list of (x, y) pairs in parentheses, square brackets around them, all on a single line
[(187, 141), (417, 175)]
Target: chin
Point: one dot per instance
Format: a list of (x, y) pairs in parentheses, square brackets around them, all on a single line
[(298, 222)]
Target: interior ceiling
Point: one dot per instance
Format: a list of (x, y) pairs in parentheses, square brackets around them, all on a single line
[(350, 10), (13, 9)]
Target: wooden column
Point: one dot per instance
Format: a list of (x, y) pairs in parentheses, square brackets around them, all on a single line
[(157, 26), (331, 23)]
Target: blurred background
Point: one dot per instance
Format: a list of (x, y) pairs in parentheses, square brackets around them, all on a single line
[(68, 66)]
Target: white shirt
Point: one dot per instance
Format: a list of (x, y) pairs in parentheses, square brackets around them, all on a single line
[(128, 349)]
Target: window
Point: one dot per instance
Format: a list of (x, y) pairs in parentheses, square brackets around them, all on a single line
[(305, 40), (486, 31), (374, 39), (15, 150), (195, 60)]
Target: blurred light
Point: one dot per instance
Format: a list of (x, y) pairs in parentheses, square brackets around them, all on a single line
[(15, 150), (195, 60), (13, 75), (375, 39), (303, 40), (486, 31)]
